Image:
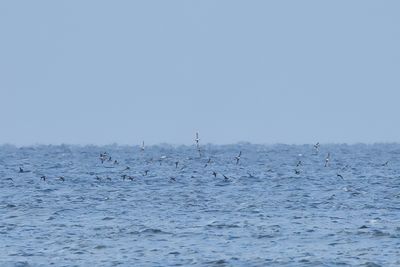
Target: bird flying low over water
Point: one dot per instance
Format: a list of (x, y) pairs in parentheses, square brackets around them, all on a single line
[(316, 147), (103, 157), (214, 173), (208, 162), (327, 159), (340, 176), (142, 147), (238, 157), (197, 139)]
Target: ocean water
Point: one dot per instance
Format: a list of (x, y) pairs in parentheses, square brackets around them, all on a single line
[(268, 212)]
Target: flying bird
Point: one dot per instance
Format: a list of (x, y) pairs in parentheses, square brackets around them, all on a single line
[(208, 162), (197, 139), (316, 147), (238, 157), (327, 159), (142, 147)]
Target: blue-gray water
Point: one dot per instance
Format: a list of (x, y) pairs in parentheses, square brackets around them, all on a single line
[(264, 214)]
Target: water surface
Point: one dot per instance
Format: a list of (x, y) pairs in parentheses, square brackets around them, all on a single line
[(269, 212)]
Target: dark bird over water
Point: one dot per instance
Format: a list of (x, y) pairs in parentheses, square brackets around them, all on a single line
[(61, 178), (225, 177), (43, 177), (238, 157), (142, 147), (103, 157), (197, 140), (208, 162), (316, 147), (214, 173), (340, 176)]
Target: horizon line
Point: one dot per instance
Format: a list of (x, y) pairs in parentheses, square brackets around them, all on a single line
[(205, 144)]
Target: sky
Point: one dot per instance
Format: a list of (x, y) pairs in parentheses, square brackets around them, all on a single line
[(102, 72)]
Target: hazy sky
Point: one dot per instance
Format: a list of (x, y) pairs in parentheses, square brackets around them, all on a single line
[(98, 72)]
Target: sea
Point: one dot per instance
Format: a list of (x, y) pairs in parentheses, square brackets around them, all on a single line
[(171, 205)]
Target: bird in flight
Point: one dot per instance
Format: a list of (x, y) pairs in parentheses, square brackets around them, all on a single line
[(238, 157), (316, 147), (197, 139), (208, 162), (386, 163), (327, 159), (142, 147)]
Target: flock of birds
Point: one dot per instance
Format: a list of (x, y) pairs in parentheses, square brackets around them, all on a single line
[(105, 157)]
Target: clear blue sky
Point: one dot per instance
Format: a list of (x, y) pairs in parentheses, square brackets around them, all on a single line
[(98, 72)]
